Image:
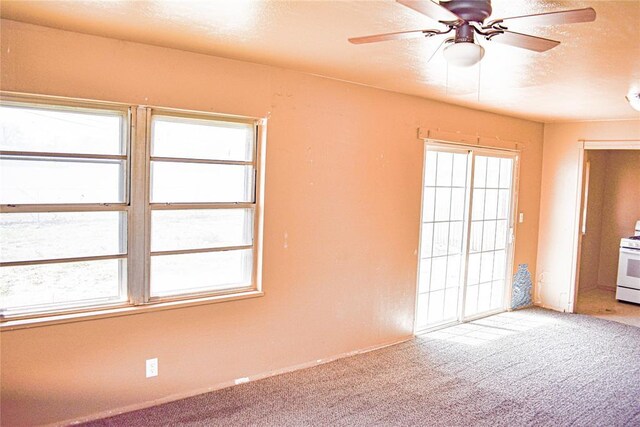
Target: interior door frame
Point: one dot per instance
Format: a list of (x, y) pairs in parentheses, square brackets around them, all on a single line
[(472, 150), (581, 203)]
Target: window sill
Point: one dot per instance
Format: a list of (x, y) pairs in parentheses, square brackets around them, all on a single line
[(54, 319)]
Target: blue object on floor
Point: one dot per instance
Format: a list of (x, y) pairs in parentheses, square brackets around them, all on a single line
[(521, 296)]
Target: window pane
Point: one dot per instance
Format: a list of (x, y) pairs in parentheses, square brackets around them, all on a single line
[(49, 286), (451, 303), (497, 294), (486, 267), (443, 204), (477, 210), (423, 306), (438, 274), (484, 297), (489, 235), (501, 234), (430, 168), (490, 204), (33, 181), (445, 167), (503, 204), (202, 139), (60, 131), (475, 244), (499, 265), (505, 172), (425, 275), (473, 273), (453, 271), (426, 247), (455, 237), (428, 204), (493, 172), (480, 175), (197, 182), (441, 239), (459, 170), (34, 236), (471, 305), (200, 228), (436, 307), (190, 273), (457, 204)]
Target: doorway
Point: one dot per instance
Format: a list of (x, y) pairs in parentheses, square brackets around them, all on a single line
[(610, 211), (466, 234)]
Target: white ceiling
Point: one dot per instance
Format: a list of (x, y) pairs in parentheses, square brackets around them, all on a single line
[(585, 78)]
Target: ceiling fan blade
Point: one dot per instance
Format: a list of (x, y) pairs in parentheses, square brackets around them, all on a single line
[(431, 9), (524, 41), (553, 18), (391, 36)]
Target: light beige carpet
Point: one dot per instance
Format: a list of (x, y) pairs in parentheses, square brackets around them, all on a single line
[(527, 368)]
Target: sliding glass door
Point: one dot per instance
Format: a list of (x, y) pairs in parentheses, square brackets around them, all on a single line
[(465, 238)]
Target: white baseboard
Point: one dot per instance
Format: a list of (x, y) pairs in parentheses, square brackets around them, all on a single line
[(551, 307)]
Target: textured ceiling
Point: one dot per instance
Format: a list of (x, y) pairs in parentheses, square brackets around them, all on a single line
[(585, 78)]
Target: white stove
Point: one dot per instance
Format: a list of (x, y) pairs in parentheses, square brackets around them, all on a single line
[(628, 288)]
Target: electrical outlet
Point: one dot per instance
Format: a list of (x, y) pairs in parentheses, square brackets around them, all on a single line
[(152, 367)]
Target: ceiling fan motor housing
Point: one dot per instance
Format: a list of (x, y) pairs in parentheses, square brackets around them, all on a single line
[(470, 11)]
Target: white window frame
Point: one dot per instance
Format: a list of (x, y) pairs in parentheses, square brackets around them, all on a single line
[(137, 138)]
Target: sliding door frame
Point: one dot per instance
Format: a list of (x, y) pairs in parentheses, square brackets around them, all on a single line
[(472, 151)]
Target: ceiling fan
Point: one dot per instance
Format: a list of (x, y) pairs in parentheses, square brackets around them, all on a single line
[(467, 18)]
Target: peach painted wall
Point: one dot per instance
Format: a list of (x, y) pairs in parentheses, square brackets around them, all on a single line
[(590, 244), (561, 161), (621, 210), (342, 209)]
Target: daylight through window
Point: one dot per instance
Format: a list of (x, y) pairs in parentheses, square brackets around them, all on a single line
[(90, 220)]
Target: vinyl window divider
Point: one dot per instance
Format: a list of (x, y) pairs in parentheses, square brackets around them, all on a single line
[(70, 207), (205, 161), (62, 260), (203, 205), (201, 250), (56, 156)]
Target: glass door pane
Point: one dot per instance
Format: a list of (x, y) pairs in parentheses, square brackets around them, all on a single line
[(489, 233), (442, 237)]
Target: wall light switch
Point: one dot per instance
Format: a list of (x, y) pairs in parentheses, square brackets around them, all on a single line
[(152, 367), (521, 217)]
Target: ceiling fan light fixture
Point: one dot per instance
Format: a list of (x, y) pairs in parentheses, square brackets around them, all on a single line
[(463, 54), (634, 100)]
